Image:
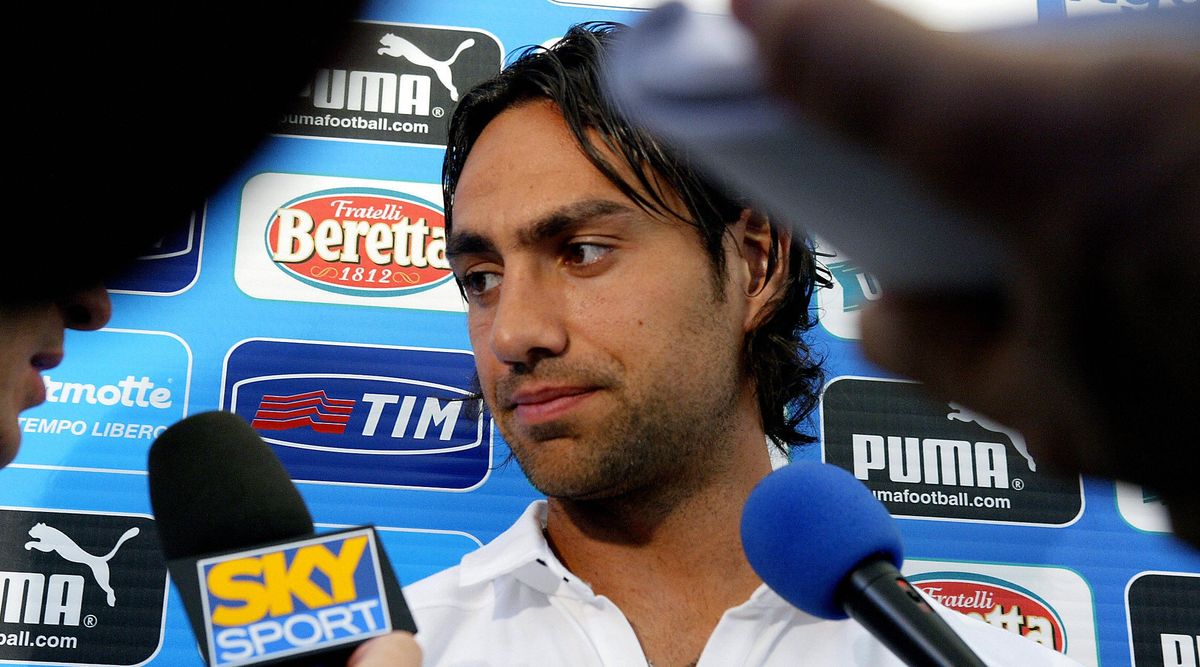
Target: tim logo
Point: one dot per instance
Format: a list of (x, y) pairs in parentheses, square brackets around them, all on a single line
[(311, 409), (393, 82), (364, 242), (333, 413), (87, 589), (270, 603), (1164, 619), (923, 458), (169, 267), (839, 306), (1000, 603)]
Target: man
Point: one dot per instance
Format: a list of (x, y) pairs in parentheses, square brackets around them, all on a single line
[(636, 334), (31, 341), (173, 110), (167, 113), (32, 335), (1083, 154)]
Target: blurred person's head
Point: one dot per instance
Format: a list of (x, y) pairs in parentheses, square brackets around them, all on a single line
[(31, 341), (131, 114)]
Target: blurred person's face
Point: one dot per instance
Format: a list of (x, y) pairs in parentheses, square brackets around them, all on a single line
[(31, 341)]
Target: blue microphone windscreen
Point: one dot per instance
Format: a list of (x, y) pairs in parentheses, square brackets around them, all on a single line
[(807, 525)]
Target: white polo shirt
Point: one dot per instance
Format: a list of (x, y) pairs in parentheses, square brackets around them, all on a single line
[(512, 603)]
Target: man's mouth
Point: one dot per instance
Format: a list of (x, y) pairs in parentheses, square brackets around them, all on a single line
[(538, 404)]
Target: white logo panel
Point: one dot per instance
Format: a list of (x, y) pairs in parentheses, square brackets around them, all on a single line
[(258, 274), (1030, 601), (1142, 508)]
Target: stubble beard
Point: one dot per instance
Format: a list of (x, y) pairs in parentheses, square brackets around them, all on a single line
[(660, 440), (654, 449)]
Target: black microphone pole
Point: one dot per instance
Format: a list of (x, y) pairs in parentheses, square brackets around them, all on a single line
[(881, 599)]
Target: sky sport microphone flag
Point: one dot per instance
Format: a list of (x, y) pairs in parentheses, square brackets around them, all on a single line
[(259, 586)]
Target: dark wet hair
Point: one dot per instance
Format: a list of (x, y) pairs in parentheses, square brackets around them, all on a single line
[(786, 373)]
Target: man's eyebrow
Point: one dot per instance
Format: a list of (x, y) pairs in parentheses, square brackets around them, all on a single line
[(468, 243), (549, 226), (562, 220)]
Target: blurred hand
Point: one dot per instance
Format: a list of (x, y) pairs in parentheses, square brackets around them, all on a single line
[(1084, 158), (397, 649)]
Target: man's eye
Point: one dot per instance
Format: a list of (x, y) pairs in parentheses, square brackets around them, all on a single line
[(583, 254), (478, 283)]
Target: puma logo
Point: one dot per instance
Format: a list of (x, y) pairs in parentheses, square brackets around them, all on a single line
[(398, 47), (963, 415), (49, 539)]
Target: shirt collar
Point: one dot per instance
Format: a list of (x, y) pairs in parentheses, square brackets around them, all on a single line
[(522, 552)]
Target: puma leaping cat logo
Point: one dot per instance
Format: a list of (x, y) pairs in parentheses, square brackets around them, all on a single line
[(48, 539), (964, 415), (398, 47)]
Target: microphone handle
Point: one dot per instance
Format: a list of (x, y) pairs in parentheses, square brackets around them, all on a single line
[(877, 596), (335, 658)]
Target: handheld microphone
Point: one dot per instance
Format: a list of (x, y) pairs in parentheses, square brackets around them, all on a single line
[(259, 585), (820, 540)]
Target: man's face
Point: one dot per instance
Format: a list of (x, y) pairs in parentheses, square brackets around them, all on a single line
[(31, 341), (606, 347)]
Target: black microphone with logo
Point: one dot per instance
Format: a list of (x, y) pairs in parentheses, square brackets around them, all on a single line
[(259, 585), (820, 540)]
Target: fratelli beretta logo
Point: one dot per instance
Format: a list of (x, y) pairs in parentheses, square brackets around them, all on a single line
[(1001, 603), (926, 459), (363, 414), (337, 240), (393, 82), (80, 588), (1047, 605), (269, 603), (360, 241)]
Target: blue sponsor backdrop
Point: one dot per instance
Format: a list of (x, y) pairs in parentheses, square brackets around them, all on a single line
[(412, 456), (172, 266)]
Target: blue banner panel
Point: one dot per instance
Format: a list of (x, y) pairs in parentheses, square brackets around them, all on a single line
[(363, 414)]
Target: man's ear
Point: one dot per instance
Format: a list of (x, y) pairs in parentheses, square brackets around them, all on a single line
[(764, 253)]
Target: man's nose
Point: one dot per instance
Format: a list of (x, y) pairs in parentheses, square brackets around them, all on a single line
[(86, 309), (528, 324)]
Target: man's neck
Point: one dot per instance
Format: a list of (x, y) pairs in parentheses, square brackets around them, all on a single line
[(670, 559)]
